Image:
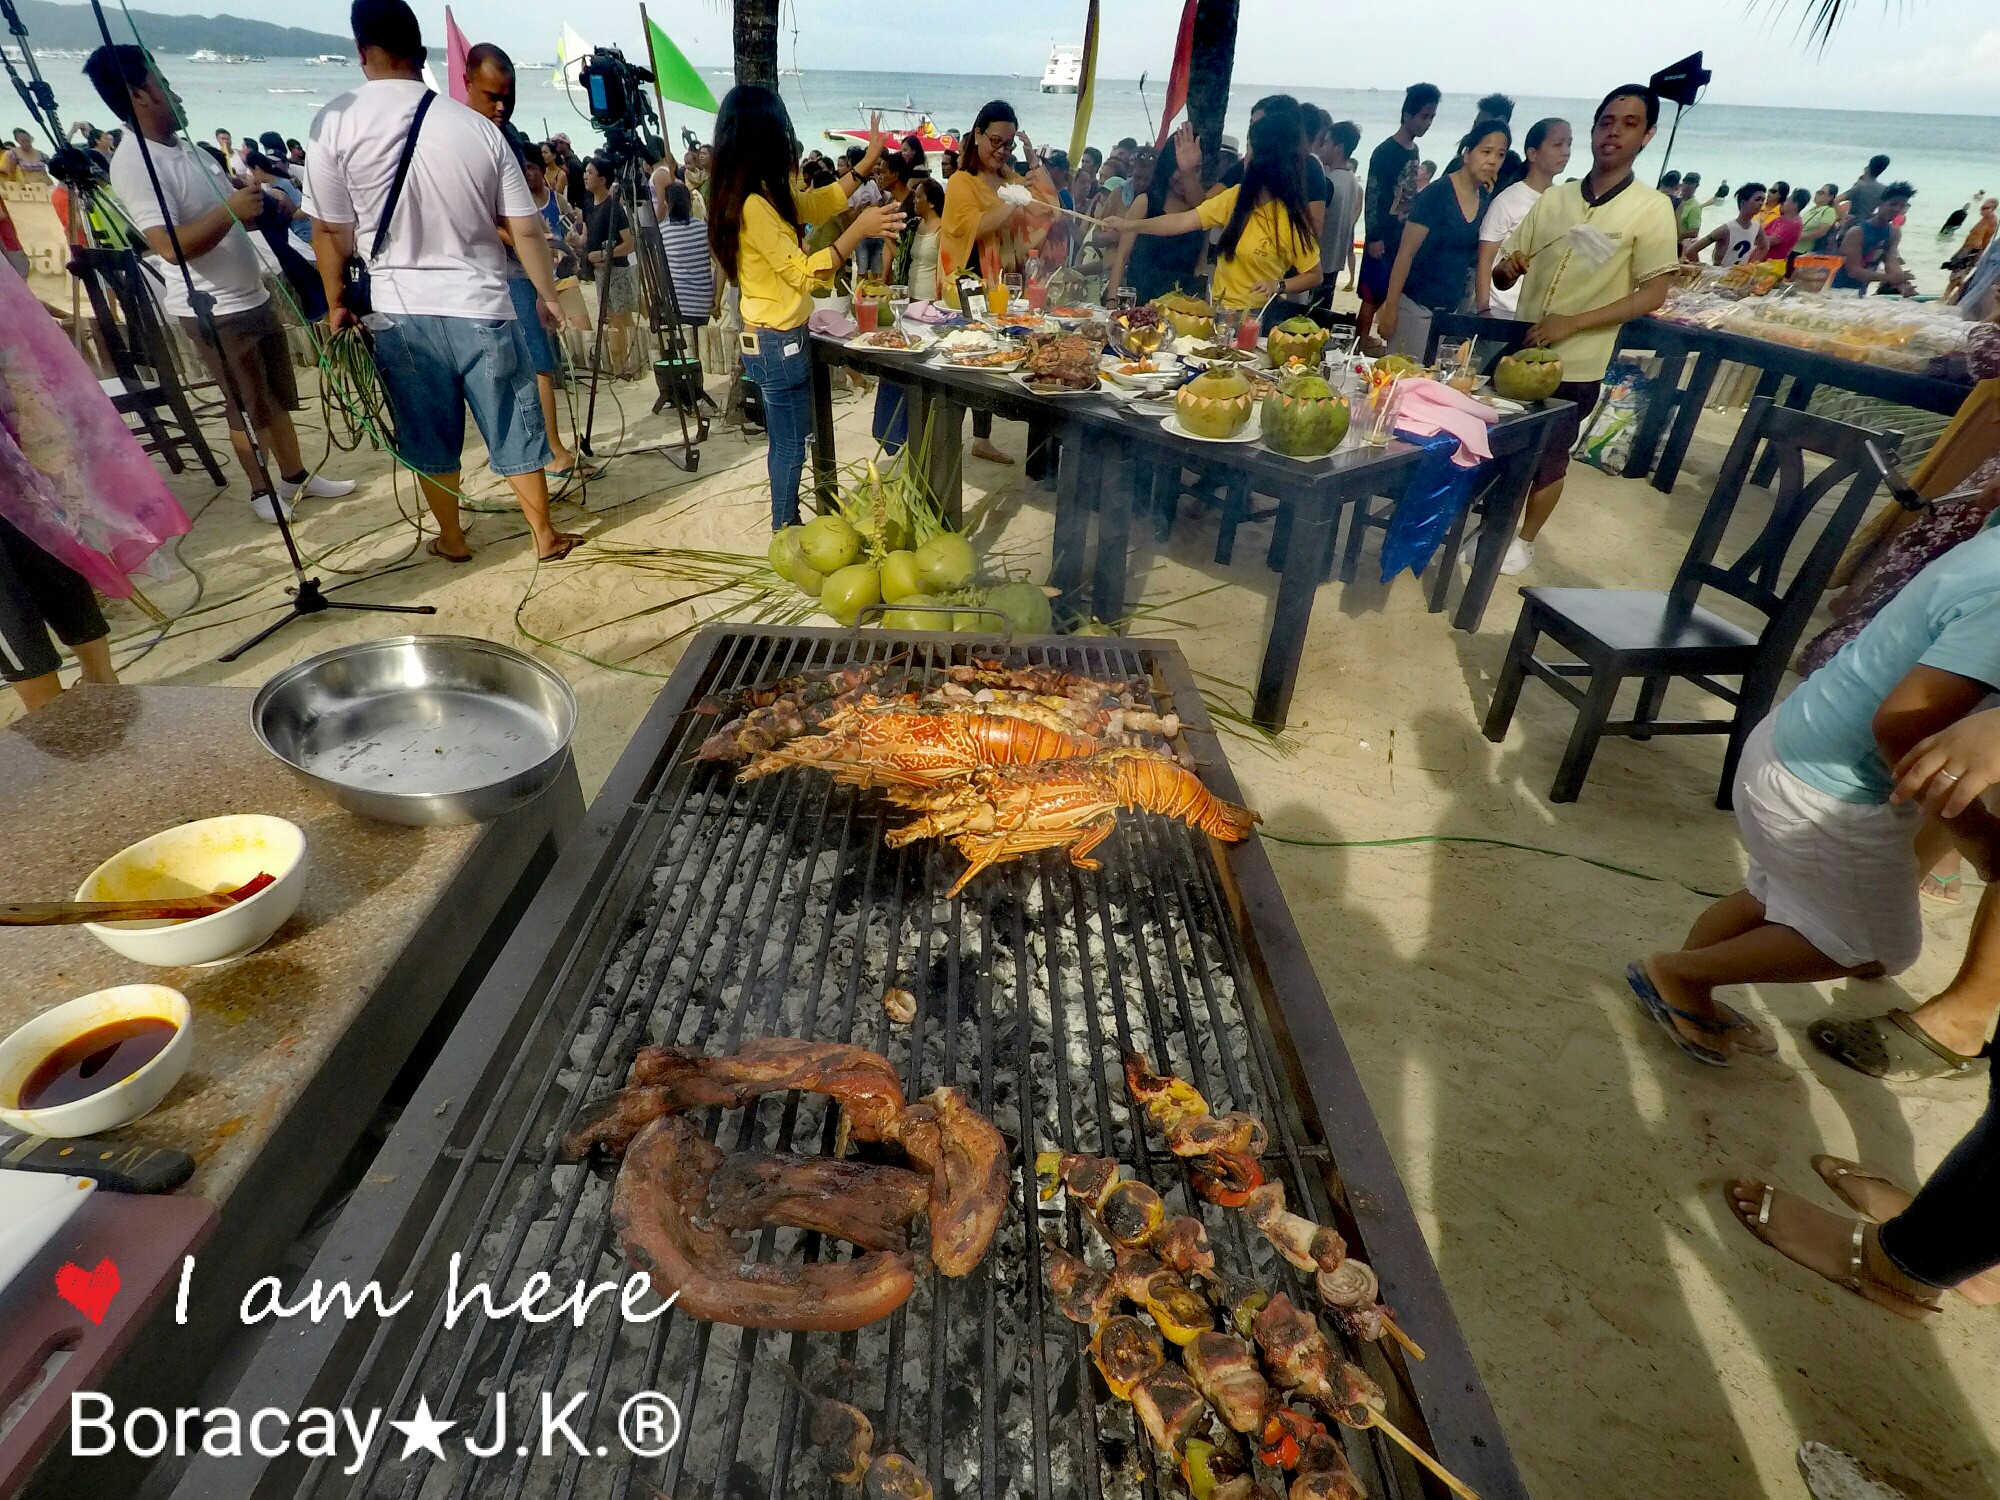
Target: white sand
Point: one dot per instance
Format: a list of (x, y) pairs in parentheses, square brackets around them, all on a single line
[(1565, 1161)]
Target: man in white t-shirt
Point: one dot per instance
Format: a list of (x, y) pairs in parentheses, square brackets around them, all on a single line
[(442, 329), (248, 349), (1545, 155)]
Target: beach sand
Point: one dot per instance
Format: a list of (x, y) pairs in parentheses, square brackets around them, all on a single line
[(1565, 1162)]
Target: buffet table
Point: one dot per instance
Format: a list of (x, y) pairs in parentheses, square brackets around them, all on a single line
[(295, 1045), (1112, 456)]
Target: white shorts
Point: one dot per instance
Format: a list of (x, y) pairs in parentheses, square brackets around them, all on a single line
[(1841, 874)]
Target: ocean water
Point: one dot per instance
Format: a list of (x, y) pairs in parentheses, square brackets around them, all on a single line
[(1950, 158)]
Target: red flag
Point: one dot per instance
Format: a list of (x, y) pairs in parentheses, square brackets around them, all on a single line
[(1177, 80), (455, 49)]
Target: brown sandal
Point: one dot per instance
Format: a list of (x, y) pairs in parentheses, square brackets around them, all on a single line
[(436, 549), (564, 546)]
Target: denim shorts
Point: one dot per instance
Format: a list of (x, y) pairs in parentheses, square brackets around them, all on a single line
[(434, 367), (528, 318)]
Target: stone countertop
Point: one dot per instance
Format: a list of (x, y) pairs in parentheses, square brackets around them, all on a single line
[(102, 768)]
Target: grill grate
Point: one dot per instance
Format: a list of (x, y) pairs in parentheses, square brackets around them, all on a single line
[(773, 907)]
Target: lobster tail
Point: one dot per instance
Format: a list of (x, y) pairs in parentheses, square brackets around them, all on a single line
[(1160, 786)]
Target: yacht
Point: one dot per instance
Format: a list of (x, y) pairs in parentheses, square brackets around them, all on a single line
[(1064, 72), (334, 59)]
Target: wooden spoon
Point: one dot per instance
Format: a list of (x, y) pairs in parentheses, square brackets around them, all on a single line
[(168, 908)]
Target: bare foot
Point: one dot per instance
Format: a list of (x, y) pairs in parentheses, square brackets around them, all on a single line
[(981, 448), (1824, 1244), (436, 548), (1939, 887), (1876, 1198), (564, 546)]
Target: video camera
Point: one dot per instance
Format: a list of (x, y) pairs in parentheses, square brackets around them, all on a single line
[(617, 95)]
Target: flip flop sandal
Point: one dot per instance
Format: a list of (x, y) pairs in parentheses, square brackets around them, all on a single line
[(1939, 887), (1858, 1280), (1663, 1015), (1892, 1047), (575, 473), (435, 549), (1834, 1171), (566, 546)]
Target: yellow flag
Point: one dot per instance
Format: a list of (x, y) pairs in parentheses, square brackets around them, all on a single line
[(1086, 90)]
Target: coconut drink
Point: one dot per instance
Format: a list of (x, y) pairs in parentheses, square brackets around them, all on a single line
[(1215, 404), (1192, 317), (1304, 417), (1528, 375), (1296, 338)]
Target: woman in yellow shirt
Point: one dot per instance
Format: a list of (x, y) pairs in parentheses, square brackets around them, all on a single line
[(757, 211), (983, 235), (1268, 248)]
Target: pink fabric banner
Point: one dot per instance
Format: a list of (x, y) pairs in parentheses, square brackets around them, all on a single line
[(73, 479), (455, 48)]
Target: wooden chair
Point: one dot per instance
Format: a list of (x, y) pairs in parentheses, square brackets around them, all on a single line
[(1618, 634), (146, 384)]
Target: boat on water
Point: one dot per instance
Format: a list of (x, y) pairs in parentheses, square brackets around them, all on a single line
[(1064, 73), (210, 55), (913, 121), (328, 59), (572, 52)]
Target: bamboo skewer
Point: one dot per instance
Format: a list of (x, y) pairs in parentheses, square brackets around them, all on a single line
[(1408, 1444), (1410, 1346)]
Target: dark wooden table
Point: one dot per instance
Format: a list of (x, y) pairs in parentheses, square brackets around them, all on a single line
[(1110, 455)]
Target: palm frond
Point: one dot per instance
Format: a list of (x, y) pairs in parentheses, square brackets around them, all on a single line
[(1819, 19)]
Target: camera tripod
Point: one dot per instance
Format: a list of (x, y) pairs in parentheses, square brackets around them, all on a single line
[(676, 370)]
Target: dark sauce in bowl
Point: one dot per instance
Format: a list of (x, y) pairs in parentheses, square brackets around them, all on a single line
[(96, 1060)]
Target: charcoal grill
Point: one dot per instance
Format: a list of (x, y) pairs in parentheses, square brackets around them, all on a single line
[(697, 910)]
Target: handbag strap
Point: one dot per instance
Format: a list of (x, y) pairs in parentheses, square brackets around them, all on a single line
[(402, 171)]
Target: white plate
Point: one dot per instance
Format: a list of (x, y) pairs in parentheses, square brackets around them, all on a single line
[(958, 363), (924, 343), (1502, 404), (33, 1207), (1252, 430), (1055, 395)]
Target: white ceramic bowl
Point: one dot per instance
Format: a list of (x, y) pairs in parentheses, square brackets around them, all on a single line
[(195, 859), (126, 1100)]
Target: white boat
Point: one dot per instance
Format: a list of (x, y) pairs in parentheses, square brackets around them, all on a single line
[(206, 55), (328, 59), (1064, 73), (572, 52)]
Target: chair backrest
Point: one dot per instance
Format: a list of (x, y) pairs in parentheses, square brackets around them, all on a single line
[(128, 320), (1509, 335), (1764, 575)]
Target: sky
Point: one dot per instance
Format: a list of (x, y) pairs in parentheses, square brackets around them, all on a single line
[(1936, 56)]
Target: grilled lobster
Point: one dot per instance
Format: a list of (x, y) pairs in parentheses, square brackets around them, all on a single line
[(1003, 813), (892, 747)]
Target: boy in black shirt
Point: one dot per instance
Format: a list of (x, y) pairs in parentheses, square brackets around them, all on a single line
[(1391, 189)]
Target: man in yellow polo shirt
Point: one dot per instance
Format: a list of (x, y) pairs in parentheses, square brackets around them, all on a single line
[(1595, 254)]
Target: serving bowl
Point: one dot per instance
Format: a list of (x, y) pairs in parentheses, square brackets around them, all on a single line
[(420, 728), (211, 854), (124, 1101)]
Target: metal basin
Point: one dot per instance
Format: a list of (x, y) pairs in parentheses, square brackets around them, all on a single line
[(420, 728)]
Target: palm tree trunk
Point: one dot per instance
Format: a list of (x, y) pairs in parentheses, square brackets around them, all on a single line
[(1209, 67), (757, 42)]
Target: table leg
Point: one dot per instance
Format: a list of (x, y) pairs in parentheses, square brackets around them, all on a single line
[(1117, 491), (1665, 401), (825, 465), (1504, 504), (947, 457), (1668, 469), (1796, 399), (1312, 522), (1072, 529)]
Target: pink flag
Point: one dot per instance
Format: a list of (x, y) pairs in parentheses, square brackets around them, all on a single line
[(454, 57)]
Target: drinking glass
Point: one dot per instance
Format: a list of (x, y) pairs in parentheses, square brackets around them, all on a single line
[(1382, 399), (1227, 321), (997, 297), (865, 314)]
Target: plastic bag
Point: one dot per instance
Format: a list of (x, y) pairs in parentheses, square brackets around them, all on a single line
[(1609, 430), (1437, 493)]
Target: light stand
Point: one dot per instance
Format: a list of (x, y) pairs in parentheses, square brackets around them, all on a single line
[(1681, 83), (307, 596)]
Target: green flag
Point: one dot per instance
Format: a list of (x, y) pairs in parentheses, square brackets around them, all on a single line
[(677, 78)]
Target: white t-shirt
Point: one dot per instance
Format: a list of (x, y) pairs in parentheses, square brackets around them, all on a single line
[(193, 185), (1736, 249), (443, 256), (1503, 216)]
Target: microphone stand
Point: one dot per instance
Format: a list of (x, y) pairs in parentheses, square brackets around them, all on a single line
[(307, 595)]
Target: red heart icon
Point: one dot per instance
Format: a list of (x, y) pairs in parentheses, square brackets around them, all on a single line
[(89, 1292)]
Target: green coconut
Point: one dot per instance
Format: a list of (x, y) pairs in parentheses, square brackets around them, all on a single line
[(850, 590), (1296, 338), (946, 562), (1528, 375), (784, 552), (1025, 606), (808, 578), (974, 622), (900, 577), (1304, 417), (829, 543), (915, 619), (1215, 404)]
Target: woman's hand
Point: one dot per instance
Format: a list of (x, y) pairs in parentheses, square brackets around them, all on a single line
[(1187, 146), (1948, 771), (879, 221), (1266, 290), (1385, 321)]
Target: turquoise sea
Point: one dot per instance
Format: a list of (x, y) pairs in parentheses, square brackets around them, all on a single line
[(1949, 158)]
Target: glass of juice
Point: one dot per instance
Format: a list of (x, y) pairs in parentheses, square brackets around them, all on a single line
[(997, 297), (866, 310), (1038, 295), (1382, 401)]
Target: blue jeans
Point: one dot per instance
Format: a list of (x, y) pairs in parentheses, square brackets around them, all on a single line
[(434, 367), (781, 369), (1951, 1230)]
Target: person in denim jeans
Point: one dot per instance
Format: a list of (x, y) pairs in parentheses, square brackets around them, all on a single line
[(756, 209)]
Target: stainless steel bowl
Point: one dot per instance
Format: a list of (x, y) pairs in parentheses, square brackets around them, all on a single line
[(420, 728)]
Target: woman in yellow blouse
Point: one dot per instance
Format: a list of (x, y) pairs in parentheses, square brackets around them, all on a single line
[(983, 235), (1268, 248), (757, 210)]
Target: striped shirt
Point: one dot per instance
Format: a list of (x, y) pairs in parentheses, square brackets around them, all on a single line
[(688, 260)]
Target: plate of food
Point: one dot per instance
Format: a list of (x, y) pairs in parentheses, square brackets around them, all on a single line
[(1002, 358), (1151, 373), (893, 341), (1060, 364), (1051, 385)]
